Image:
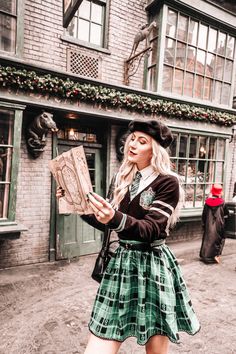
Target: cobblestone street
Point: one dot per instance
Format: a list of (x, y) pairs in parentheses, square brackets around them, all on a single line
[(45, 308)]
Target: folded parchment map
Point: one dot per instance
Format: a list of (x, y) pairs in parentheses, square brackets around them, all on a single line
[(70, 171)]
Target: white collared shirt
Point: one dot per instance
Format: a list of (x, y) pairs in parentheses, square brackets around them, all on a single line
[(148, 176)]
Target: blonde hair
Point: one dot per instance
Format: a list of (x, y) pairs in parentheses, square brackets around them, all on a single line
[(161, 164)]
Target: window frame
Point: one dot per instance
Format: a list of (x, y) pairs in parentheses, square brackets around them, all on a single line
[(104, 47), (162, 15), (20, 10), (195, 212), (16, 142)]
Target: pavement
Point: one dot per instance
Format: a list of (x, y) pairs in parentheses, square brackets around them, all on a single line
[(45, 308)]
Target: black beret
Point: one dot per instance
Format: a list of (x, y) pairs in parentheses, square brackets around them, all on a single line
[(157, 130)]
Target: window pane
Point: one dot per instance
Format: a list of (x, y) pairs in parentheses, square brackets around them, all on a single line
[(152, 78), (217, 92), (96, 34), (211, 171), (169, 56), (171, 23), (178, 81), (230, 47), (199, 195), (90, 157), (202, 36), (174, 165), (228, 70), (189, 195), (221, 43), (220, 149), (193, 31), (153, 53), (219, 69), (8, 6), (193, 147), (191, 57), (6, 127), (210, 64), (167, 79), (219, 172), (212, 40), (188, 84), (183, 146), (4, 198), (225, 94), (84, 9), (201, 57), (212, 148), (182, 28), (180, 55), (191, 171), (208, 87), (6, 138), (172, 149), (96, 14), (202, 148), (5, 164), (198, 86), (182, 170), (72, 28), (7, 33), (83, 32)]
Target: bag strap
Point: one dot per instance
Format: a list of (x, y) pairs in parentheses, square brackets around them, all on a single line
[(106, 237)]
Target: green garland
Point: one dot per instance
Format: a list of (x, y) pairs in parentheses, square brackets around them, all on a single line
[(108, 97)]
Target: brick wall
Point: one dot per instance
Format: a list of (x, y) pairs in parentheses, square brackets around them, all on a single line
[(43, 45), (33, 211)]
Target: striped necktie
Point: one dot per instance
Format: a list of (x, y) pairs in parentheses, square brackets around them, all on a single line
[(135, 184)]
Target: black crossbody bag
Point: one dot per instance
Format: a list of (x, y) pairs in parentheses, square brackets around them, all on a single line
[(106, 253), (103, 257)]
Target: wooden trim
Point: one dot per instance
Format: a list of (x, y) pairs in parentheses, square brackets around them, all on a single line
[(15, 164)]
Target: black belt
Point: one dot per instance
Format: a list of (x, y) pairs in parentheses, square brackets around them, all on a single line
[(139, 247)]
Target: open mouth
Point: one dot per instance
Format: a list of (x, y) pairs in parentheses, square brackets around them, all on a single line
[(132, 153)]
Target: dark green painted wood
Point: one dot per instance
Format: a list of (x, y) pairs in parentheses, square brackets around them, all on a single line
[(52, 233), (20, 28), (73, 236), (15, 164)]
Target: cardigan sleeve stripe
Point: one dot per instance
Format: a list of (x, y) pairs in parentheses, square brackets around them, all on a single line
[(161, 211), (164, 204), (122, 224)]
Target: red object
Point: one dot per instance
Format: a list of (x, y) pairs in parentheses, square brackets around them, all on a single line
[(216, 190)]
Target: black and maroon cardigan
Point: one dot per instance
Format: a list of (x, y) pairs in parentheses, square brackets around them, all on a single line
[(145, 217)]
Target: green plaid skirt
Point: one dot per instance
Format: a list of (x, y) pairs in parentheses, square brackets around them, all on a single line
[(143, 294)]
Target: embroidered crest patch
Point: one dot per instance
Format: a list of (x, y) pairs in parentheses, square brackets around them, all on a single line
[(146, 198)]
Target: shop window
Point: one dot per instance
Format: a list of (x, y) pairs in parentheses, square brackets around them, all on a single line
[(197, 61), (11, 27), (88, 24), (199, 160), (8, 25), (10, 131)]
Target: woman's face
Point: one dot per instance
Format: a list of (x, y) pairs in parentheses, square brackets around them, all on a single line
[(140, 149)]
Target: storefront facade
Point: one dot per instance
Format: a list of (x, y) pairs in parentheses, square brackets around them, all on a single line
[(90, 84)]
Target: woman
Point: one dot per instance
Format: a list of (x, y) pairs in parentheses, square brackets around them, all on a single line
[(142, 293), (213, 219)]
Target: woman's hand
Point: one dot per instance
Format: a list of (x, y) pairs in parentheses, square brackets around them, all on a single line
[(103, 210), (60, 192)]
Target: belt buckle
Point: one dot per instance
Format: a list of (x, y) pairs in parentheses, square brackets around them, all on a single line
[(127, 246)]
